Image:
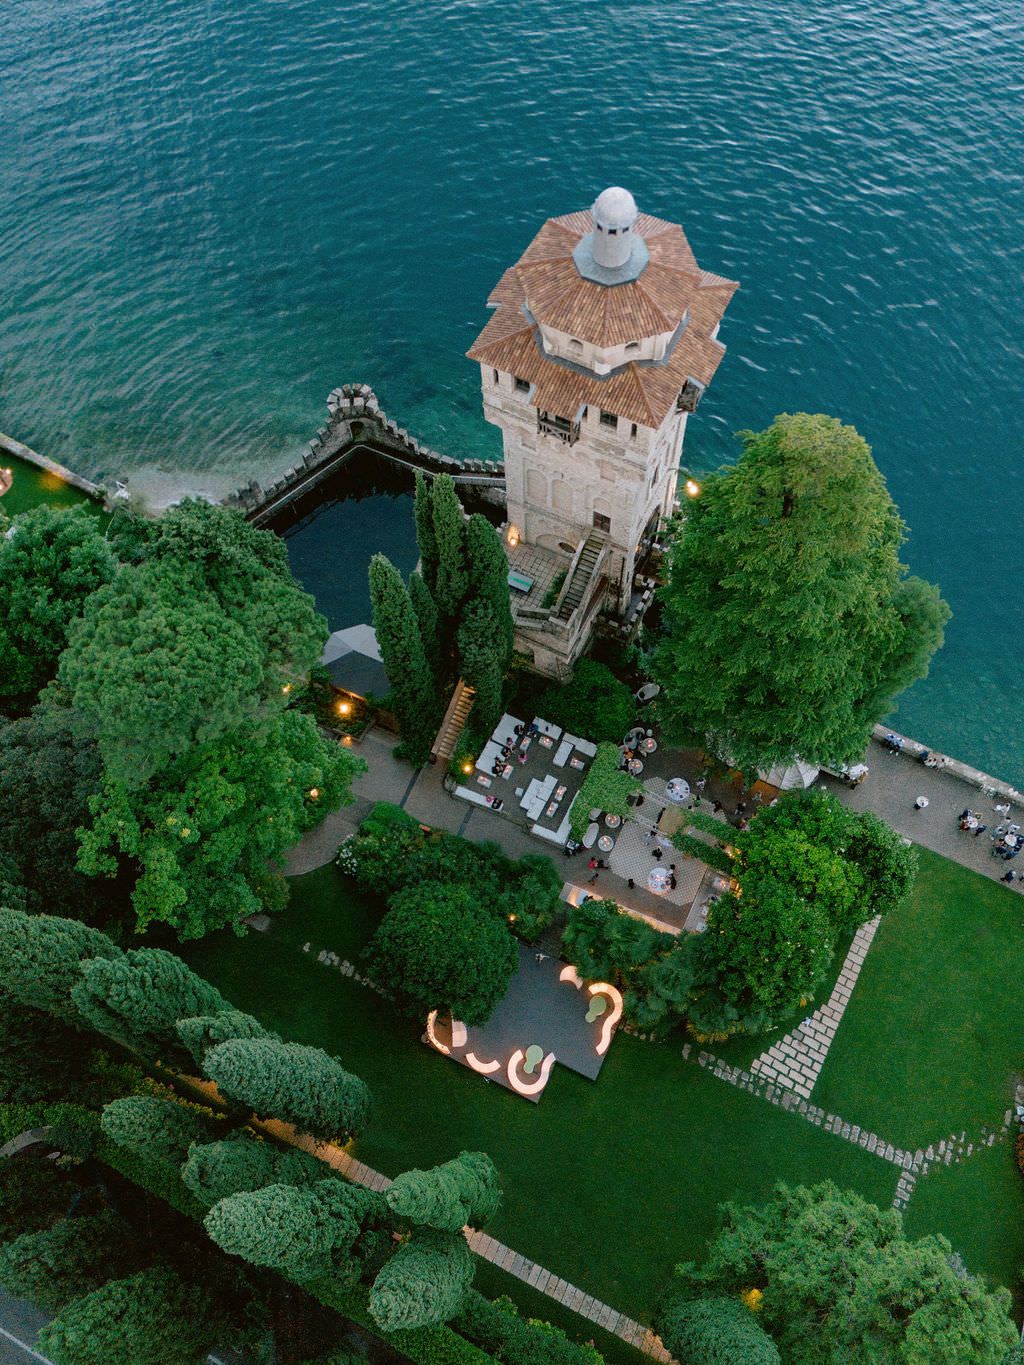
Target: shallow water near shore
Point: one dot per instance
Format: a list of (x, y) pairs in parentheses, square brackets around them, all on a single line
[(213, 213)]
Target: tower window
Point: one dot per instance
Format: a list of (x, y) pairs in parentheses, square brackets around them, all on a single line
[(612, 232), (608, 419), (632, 347), (495, 373), (575, 346), (601, 522), (632, 431), (522, 385)]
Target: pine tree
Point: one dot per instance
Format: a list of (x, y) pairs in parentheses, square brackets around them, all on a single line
[(161, 1129), (426, 616), (450, 534), (42, 958), (204, 1031), (425, 537), (424, 1283), (413, 692), (74, 1257), (301, 1085), (465, 1190), (139, 997), (242, 1162)]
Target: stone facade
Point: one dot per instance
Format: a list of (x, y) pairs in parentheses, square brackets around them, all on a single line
[(604, 337)]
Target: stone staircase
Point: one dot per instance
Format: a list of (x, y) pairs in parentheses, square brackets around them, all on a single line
[(580, 578), (454, 722)]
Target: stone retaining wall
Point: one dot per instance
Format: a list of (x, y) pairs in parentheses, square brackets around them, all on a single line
[(991, 786), (356, 419)]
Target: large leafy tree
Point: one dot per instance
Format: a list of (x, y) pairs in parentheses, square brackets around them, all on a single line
[(840, 1281), (303, 1086), (49, 768), (151, 1318), (207, 832), (43, 957), (439, 948), (304, 1233), (714, 1332), (69, 1259), (791, 624), (593, 703), (139, 996), (413, 689), (53, 561), (447, 1197), (424, 1283)]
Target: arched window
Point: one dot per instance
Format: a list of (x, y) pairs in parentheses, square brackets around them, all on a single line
[(632, 347), (575, 346)]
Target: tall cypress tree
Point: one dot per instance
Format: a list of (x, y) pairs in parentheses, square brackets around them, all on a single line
[(487, 569), (413, 691), (426, 615), (425, 537), (450, 534), (480, 662)]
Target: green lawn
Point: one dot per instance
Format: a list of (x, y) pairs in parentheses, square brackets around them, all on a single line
[(33, 486), (979, 1206), (607, 1183), (934, 1034)]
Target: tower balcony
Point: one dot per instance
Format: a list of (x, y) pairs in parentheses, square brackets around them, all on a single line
[(559, 427)]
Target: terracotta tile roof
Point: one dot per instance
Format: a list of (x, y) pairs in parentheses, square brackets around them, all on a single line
[(545, 282)]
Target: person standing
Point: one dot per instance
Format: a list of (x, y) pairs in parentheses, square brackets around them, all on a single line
[(921, 803)]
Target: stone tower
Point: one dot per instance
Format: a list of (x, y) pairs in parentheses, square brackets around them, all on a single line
[(603, 339)]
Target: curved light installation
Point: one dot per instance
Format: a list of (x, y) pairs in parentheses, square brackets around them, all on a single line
[(485, 1068), (528, 1088), (610, 1020), (571, 975), (432, 1037)]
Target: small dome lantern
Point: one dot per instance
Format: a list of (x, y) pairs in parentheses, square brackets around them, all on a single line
[(615, 213)]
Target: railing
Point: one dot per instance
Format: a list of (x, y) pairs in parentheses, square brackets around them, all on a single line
[(559, 427)]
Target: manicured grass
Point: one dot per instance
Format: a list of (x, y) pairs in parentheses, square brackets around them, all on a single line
[(32, 486), (979, 1206), (608, 1183), (934, 1034)]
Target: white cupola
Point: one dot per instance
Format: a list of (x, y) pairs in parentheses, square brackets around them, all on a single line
[(615, 212)]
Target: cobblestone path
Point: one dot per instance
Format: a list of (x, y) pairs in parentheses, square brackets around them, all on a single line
[(796, 1060)]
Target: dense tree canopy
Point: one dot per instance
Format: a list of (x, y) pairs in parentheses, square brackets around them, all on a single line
[(42, 958), (414, 694), (593, 703), (301, 1085), (439, 948), (49, 768), (163, 1130), (424, 1283), (810, 871), (791, 624), (304, 1233), (51, 564), (204, 1031), (841, 1282), (69, 1259), (465, 1190), (242, 1162), (139, 996), (714, 1332), (207, 831), (151, 1318)]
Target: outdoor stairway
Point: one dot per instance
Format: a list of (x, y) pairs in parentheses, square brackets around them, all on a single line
[(454, 722), (581, 576)]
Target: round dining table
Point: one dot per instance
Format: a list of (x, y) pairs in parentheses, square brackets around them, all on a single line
[(658, 880), (649, 746), (677, 789), (636, 766), (613, 821), (606, 843)]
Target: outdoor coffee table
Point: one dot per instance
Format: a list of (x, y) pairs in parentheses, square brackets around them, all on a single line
[(606, 843)]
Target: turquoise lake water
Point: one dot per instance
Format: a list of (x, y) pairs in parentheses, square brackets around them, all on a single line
[(214, 211)]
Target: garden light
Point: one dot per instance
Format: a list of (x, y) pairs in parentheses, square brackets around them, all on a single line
[(692, 488), (314, 792), (344, 707)]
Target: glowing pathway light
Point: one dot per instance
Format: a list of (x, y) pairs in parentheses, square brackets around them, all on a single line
[(485, 1068), (611, 1019)]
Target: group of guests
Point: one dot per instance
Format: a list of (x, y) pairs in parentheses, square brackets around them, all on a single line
[(513, 748)]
